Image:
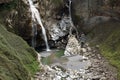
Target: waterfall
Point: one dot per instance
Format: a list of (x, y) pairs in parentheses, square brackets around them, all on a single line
[(36, 18), (71, 22), (70, 16), (34, 33)]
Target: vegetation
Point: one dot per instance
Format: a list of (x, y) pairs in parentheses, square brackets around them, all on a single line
[(108, 36), (111, 49), (17, 59)]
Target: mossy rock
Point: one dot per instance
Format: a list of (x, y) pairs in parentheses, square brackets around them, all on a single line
[(17, 59), (107, 35)]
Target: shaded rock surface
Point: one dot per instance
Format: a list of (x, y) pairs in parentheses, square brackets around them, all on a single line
[(5, 1), (93, 21), (60, 29)]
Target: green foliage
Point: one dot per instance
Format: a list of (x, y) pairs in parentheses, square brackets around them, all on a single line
[(17, 59)]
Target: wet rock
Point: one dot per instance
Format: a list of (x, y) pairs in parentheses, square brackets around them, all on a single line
[(60, 29)]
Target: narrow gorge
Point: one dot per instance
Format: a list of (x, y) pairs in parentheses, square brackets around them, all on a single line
[(59, 40)]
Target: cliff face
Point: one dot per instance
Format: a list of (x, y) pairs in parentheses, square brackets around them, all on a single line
[(4, 1), (17, 59), (55, 17), (19, 19)]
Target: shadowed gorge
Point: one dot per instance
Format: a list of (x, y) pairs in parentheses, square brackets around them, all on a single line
[(59, 40)]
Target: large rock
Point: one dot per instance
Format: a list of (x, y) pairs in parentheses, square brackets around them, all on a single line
[(73, 46)]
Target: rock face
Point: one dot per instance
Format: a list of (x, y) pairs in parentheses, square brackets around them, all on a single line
[(86, 8), (53, 15), (5, 1), (94, 21), (60, 29), (17, 59), (55, 25)]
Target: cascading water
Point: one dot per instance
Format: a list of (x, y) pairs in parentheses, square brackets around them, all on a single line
[(71, 22), (36, 17), (34, 33), (70, 16)]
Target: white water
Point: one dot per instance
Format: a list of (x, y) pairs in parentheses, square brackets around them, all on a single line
[(71, 22), (70, 16), (34, 33), (36, 17)]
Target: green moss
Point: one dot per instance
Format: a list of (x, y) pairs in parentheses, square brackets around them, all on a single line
[(110, 48), (17, 59), (107, 35), (33, 67)]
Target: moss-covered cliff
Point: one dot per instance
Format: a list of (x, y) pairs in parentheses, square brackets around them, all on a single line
[(17, 59), (110, 48), (107, 36)]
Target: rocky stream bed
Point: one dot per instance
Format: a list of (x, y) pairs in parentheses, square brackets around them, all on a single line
[(85, 64)]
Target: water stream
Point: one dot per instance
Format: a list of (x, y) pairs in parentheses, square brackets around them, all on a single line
[(70, 16), (34, 33), (36, 18), (70, 3)]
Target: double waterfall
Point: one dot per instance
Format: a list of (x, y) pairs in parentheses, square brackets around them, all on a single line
[(36, 18)]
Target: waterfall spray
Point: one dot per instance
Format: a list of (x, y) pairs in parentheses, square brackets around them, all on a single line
[(36, 17)]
